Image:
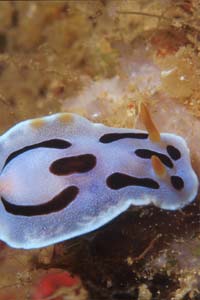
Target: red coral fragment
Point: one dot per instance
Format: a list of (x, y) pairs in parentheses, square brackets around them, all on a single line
[(50, 283)]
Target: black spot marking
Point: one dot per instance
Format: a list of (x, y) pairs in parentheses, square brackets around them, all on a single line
[(54, 143), (112, 137), (59, 202), (177, 182), (173, 152), (147, 154), (117, 181), (73, 164)]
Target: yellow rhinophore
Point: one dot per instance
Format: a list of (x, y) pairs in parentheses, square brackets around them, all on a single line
[(154, 134), (158, 166)]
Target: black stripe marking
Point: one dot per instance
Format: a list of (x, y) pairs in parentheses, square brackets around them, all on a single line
[(177, 182), (54, 143), (112, 137), (147, 154), (173, 152), (117, 181), (73, 164), (59, 202)]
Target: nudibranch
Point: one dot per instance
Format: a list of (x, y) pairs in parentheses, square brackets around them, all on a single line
[(62, 176)]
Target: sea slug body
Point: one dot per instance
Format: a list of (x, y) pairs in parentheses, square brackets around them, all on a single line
[(62, 176)]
